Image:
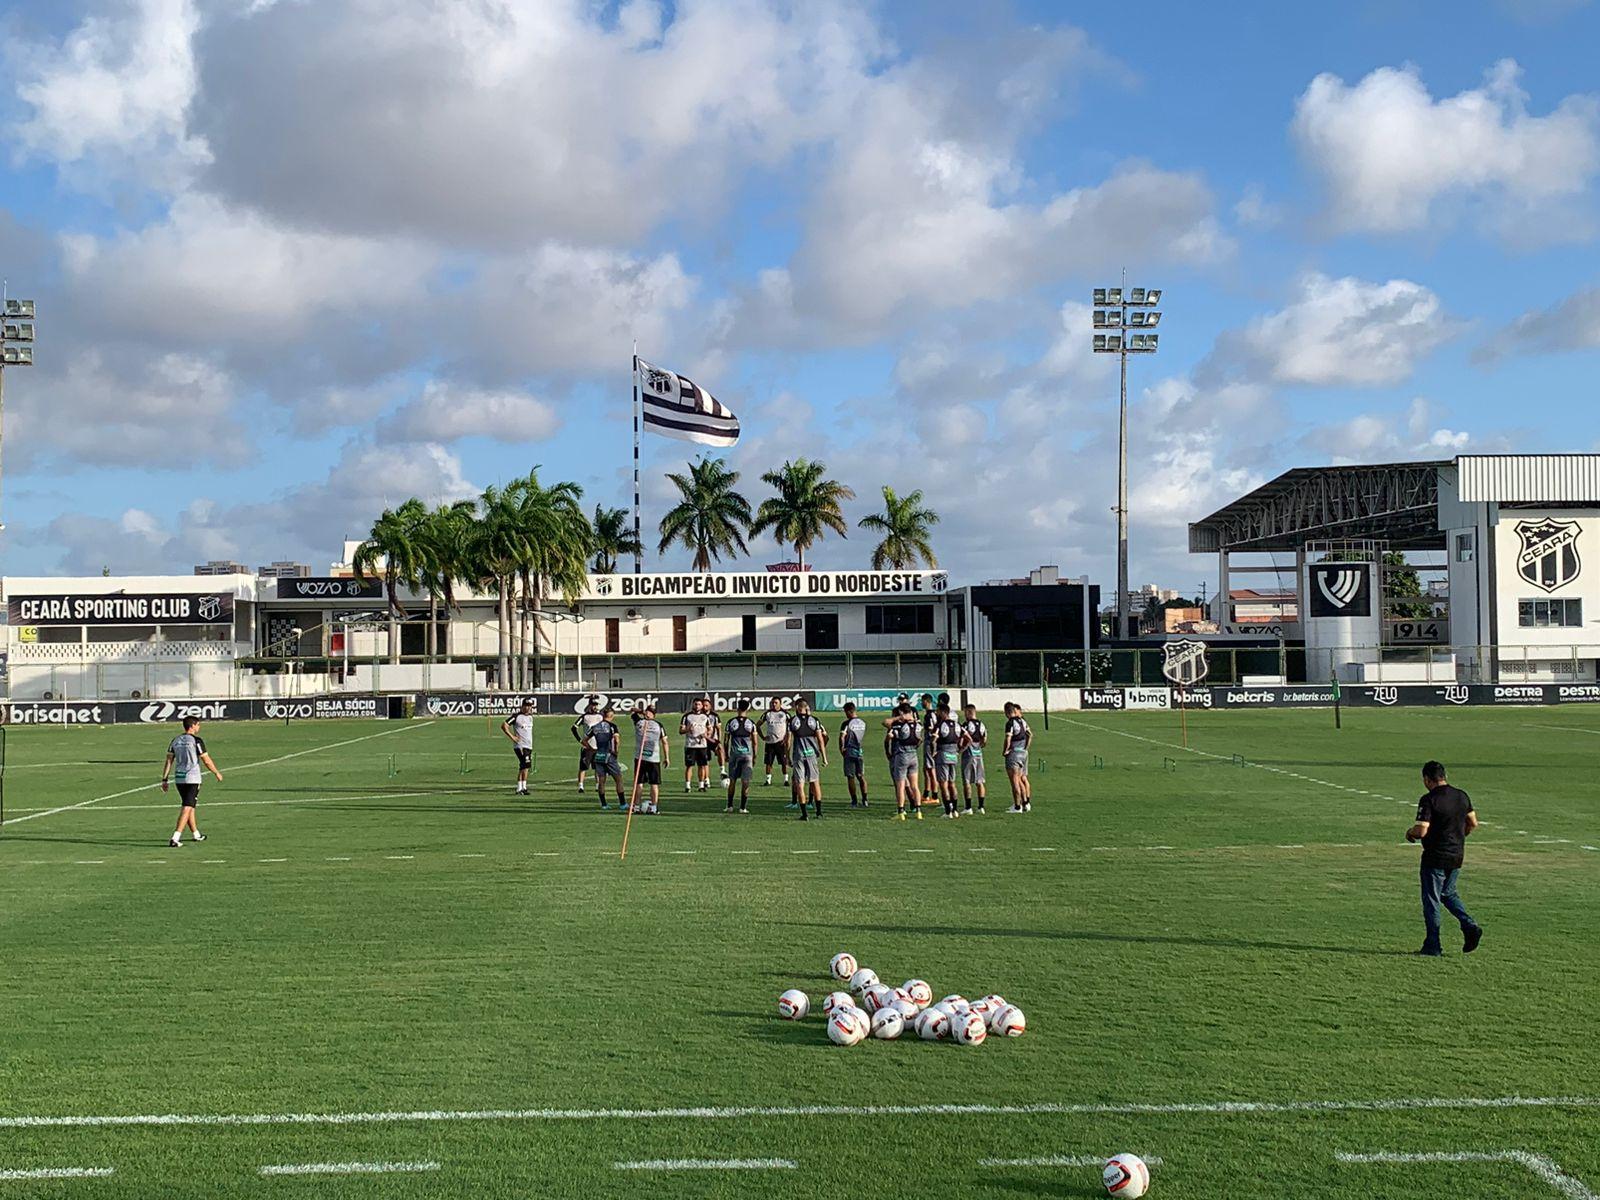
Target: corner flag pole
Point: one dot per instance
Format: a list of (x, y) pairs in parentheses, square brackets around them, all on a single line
[(638, 561), (1183, 713), (1333, 677)]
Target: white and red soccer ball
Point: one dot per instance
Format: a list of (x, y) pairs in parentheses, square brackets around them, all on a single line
[(1008, 1022), (862, 979), (1126, 1177), (888, 1024), (793, 1005), (842, 966), (968, 1029), (847, 1026), (876, 997), (919, 991)]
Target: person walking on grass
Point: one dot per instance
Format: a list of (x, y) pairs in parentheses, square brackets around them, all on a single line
[(808, 754), (741, 747), (852, 752), (1014, 750), (587, 719), (604, 743), (519, 728), (1445, 818), (902, 734), (185, 758), (655, 755), (974, 737)]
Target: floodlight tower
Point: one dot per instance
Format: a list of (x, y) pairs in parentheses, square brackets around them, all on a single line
[(16, 345), (1117, 311)]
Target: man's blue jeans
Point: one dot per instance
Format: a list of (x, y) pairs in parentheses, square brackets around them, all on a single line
[(1439, 890)]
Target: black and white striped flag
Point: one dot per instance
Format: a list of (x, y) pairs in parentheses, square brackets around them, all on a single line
[(679, 408)]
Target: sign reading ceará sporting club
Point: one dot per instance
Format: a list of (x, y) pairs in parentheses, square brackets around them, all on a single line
[(122, 608), (765, 585)]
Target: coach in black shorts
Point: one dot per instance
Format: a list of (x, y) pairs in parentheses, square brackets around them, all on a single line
[(185, 758)]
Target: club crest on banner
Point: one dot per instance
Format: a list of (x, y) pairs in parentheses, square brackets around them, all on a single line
[(1548, 558), (1184, 663)]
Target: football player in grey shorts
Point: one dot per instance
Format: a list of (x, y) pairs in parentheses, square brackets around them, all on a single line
[(741, 764), (974, 737), (903, 732), (1018, 737)]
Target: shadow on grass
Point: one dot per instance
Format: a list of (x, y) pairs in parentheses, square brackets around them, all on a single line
[(1132, 939), (1052, 1186), (6, 835)]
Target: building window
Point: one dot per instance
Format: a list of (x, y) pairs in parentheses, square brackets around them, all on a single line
[(1463, 547), (899, 618), (1550, 614)]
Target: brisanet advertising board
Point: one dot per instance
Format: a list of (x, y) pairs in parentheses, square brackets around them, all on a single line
[(161, 712)]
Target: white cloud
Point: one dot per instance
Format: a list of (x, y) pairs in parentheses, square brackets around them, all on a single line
[(306, 522), (1388, 152), (1379, 437), (209, 272), (1336, 332), (520, 120), (447, 412), (569, 308), (164, 412), (1571, 324), (117, 86)]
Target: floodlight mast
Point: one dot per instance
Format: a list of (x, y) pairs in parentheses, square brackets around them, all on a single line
[(1112, 311), (16, 345)]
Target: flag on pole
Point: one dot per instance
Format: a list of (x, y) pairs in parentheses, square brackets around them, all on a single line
[(679, 408)]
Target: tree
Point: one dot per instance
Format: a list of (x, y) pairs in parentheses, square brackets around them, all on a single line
[(446, 541), (712, 519), (613, 538), (497, 546), (394, 548), (906, 527), (1402, 589), (808, 504), (557, 542)]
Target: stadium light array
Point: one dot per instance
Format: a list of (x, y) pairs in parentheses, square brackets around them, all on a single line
[(1124, 309), (16, 345)]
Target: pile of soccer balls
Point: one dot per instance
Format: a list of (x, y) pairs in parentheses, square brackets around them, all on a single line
[(872, 1008)]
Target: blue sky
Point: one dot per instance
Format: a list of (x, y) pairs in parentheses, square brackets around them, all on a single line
[(298, 261)]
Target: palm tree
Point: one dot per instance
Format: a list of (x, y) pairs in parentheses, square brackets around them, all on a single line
[(394, 549), (613, 538), (906, 527), (446, 538), (558, 540), (496, 547), (806, 506), (711, 519)]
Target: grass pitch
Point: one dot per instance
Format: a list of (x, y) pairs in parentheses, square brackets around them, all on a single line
[(1212, 955)]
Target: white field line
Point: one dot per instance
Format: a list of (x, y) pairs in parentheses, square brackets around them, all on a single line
[(57, 1173), (1564, 728), (1062, 1160), (349, 1168), (708, 1164), (251, 803), (265, 762), (1545, 1169), (716, 1113)]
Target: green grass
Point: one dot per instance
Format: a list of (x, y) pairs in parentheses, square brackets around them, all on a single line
[(1260, 958)]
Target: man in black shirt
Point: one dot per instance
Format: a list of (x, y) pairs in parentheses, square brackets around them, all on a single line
[(1444, 819)]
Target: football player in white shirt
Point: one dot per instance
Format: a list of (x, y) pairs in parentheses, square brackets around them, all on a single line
[(519, 728)]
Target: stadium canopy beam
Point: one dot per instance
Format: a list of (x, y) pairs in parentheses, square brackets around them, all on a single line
[(1395, 503)]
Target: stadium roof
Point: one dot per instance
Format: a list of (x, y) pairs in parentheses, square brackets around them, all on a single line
[(1395, 503)]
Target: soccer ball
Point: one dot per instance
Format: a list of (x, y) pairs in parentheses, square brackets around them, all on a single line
[(876, 997), (969, 1029), (862, 979), (955, 1003), (907, 1010), (843, 965), (982, 1007), (834, 999), (933, 1024), (793, 1005), (1008, 1022), (846, 1028), (919, 991), (888, 1024), (1126, 1176), (995, 1000), (900, 993)]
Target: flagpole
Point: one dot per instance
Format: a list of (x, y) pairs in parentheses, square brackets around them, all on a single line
[(638, 561)]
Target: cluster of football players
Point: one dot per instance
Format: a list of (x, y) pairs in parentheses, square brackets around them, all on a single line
[(934, 754)]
